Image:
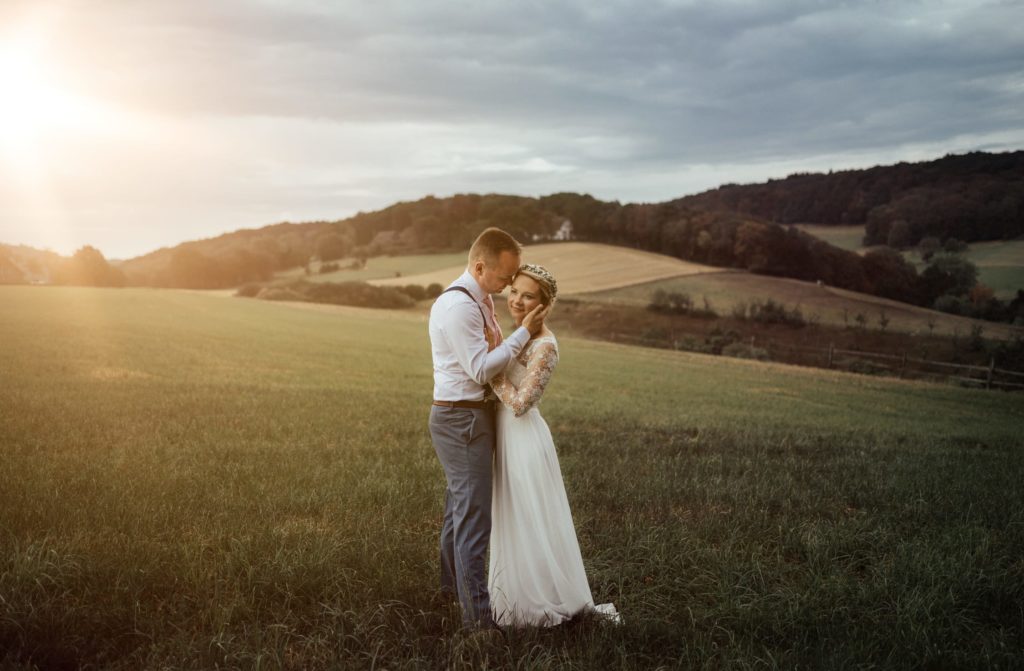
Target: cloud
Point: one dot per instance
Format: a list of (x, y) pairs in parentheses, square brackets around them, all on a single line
[(321, 108)]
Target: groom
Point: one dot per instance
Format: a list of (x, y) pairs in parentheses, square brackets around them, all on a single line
[(468, 351)]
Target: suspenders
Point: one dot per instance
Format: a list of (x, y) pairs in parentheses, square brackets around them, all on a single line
[(487, 322)]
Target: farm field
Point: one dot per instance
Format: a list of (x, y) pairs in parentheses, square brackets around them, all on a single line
[(579, 266), (844, 237), (380, 267), (194, 481), (727, 289)]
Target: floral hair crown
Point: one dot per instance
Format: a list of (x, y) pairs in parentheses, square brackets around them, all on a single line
[(541, 274)]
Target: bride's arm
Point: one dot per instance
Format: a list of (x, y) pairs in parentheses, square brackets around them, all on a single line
[(538, 373)]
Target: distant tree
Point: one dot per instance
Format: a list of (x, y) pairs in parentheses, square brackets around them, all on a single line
[(434, 290), (883, 320), (890, 275), (900, 234), (191, 269), (332, 246), (9, 272), (954, 246), (88, 267), (981, 294), (948, 274), (928, 247)]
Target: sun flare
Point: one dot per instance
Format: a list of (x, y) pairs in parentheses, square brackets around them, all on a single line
[(37, 105)]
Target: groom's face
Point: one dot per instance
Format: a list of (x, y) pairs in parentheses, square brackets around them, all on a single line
[(494, 278)]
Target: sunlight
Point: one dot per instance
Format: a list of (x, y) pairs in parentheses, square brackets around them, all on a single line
[(36, 106)]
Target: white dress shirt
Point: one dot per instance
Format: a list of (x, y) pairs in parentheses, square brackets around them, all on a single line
[(462, 364)]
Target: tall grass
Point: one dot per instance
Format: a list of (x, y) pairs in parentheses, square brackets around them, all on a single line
[(190, 481)]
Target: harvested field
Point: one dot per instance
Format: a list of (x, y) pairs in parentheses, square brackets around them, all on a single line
[(581, 267)]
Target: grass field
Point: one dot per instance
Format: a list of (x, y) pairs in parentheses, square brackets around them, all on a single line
[(1000, 265), (193, 481)]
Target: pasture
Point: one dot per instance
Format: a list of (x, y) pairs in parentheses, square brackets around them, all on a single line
[(850, 238), (196, 481)]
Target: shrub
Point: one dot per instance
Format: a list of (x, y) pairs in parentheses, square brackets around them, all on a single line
[(280, 294), (329, 268), (743, 351), (249, 290), (434, 290), (679, 303), (769, 312), (414, 291), (951, 304), (359, 294)]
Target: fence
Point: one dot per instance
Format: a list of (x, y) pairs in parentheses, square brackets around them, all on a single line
[(875, 363)]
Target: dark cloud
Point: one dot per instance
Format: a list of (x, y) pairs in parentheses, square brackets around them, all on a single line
[(698, 81)]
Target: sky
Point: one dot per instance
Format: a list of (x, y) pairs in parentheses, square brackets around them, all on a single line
[(135, 125)]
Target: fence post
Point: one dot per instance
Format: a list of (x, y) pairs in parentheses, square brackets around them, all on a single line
[(831, 347), (991, 370)]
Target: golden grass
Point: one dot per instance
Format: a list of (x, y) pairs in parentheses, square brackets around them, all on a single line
[(581, 267)]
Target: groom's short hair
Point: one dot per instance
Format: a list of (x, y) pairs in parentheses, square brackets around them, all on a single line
[(489, 245)]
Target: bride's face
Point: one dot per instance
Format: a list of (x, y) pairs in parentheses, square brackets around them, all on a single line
[(523, 296)]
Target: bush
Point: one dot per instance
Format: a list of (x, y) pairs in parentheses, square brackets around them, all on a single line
[(414, 291), (743, 351), (249, 290), (434, 290), (951, 304), (329, 268), (359, 294), (279, 294), (769, 312), (678, 303)]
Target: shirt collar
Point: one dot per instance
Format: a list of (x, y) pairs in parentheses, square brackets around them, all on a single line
[(468, 281)]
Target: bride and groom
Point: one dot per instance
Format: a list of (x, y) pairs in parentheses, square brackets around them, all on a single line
[(505, 486)]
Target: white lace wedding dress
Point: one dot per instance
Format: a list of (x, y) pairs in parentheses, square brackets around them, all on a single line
[(536, 572)]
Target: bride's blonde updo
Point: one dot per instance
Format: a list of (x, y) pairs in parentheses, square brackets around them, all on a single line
[(546, 281)]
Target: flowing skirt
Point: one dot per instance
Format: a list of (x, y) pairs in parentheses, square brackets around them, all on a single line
[(536, 570)]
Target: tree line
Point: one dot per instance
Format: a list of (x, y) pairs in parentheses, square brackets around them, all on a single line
[(973, 197)]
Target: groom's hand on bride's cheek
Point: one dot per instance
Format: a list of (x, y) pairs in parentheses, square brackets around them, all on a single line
[(534, 320)]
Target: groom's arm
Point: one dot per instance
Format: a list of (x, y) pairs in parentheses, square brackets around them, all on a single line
[(463, 327)]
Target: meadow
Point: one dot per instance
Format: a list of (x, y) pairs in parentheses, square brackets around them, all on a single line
[(198, 481)]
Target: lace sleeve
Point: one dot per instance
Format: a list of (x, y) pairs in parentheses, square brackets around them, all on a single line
[(539, 368)]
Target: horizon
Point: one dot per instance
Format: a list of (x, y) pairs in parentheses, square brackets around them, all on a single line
[(172, 244), (210, 119)]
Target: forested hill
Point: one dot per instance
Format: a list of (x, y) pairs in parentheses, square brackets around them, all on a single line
[(971, 197)]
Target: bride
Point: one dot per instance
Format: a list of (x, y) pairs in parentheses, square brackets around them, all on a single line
[(536, 575)]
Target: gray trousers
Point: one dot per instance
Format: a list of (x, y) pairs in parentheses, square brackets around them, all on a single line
[(464, 441)]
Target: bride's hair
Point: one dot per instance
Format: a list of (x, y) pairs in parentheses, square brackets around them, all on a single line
[(544, 279)]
